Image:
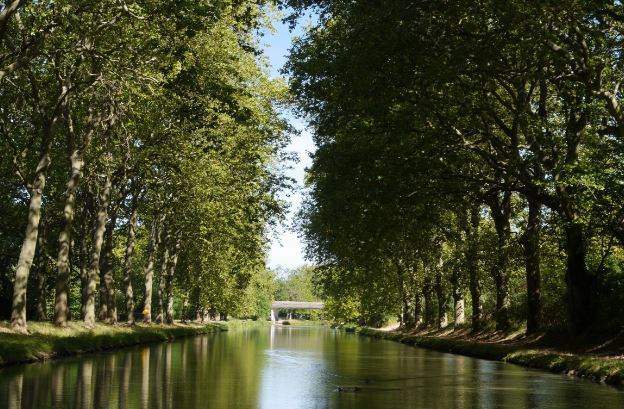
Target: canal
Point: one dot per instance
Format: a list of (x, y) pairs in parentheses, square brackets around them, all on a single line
[(290, 367)]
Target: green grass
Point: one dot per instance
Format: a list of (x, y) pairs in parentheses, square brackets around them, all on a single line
[(607, 370), (46, 341), (306, 323)]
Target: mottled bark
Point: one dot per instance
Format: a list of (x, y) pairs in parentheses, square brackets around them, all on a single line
[(162, 283), (501, 211), (108, 307), (29, 245), (428, 296), (108, 269), (185, 308), (418, 313), (149, 270), (406, 318), (169, 282), (96, 248), (530, 244), (458, 297), (472, 234), (132, 221), (459, 308), (61, 302), (441, 296), (83, 258), (39, 276), (61, 299)]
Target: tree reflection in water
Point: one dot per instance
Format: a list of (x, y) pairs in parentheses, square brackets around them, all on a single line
[(282, 367)]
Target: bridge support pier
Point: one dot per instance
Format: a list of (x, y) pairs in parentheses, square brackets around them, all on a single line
[(274, 314)]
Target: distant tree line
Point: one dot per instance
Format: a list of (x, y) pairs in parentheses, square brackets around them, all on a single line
[(470, 163)]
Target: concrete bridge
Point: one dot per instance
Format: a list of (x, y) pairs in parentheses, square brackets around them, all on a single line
[(293, 305)]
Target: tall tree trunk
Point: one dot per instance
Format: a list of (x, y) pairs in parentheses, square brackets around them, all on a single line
[(441, 296), (149, 270), (29, 245), (96, 248), (108, 306), (40, 274), (407, 315), (501, 210), (406, 319), (472, 267), (162, 282), (61, 299), (169, 282), (185, 307), (128, 259), (459, 307), (428, 296), (530, 244), (418, 313), (458, 298), (84, 269), (578, 279), (108, 270), (61, 308)]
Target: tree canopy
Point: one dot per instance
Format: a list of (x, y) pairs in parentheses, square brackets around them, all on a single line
[(141, 150), (465, 148)]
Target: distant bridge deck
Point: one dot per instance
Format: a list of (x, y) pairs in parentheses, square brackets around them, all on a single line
[(297, 305)]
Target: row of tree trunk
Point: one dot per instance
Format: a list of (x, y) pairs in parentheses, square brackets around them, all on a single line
[(94, 257), (420, 311)]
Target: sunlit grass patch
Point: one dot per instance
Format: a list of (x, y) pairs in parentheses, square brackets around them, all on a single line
[(47, 341)]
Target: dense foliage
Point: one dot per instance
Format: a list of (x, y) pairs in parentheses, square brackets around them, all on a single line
[(469, 158), (140, 151)]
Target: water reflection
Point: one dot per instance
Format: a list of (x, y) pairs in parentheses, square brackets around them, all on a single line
[(281, 367)]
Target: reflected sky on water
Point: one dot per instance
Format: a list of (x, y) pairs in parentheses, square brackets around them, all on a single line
[(290, 367)]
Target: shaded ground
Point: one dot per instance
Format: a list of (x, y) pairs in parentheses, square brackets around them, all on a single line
[(596, 343)]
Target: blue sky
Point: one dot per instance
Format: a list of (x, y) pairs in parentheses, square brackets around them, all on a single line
[(286, 248)]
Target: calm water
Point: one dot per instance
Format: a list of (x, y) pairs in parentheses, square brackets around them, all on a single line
[(274, 367)]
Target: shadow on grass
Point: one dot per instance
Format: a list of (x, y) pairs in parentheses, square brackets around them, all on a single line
[(607, 370)]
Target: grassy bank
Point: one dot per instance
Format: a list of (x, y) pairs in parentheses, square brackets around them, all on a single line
[(46, 341), (609, 370), (303, 323)]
